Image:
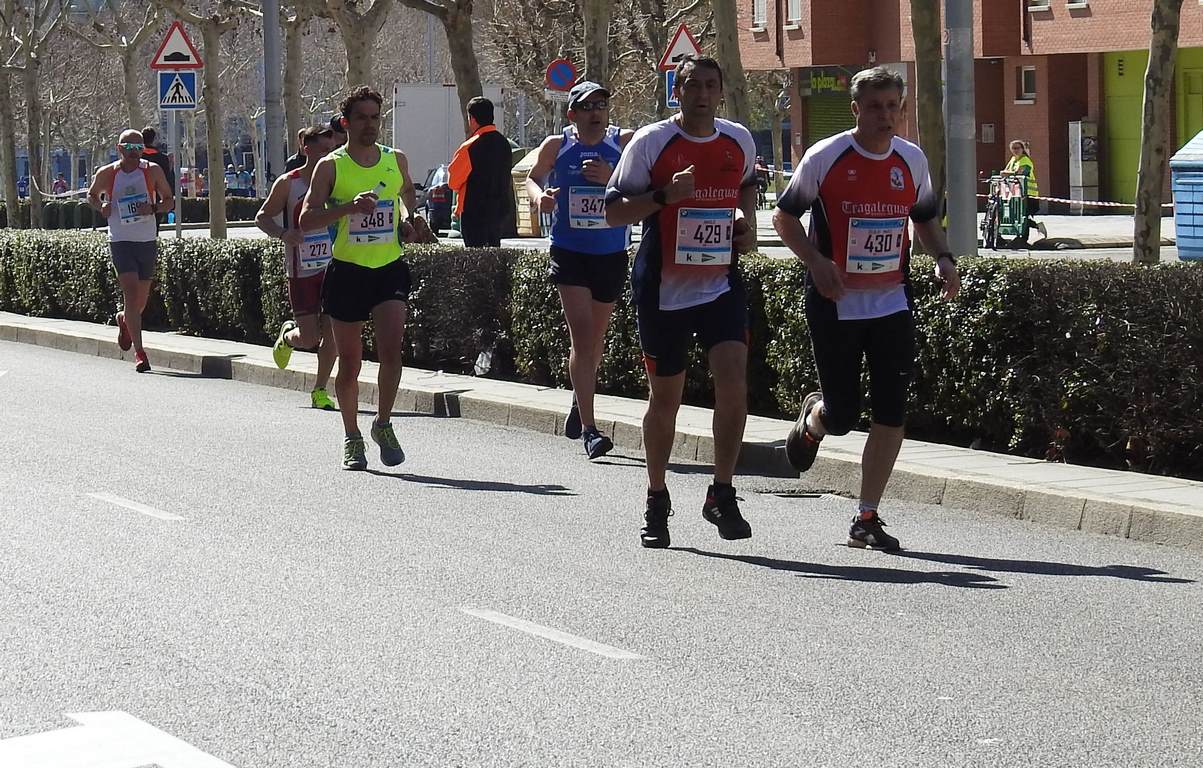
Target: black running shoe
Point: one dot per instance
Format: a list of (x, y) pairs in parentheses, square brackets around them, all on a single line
[(654, 534), (572, 424), (722, 509), (801, 447), (596, 444), (868, 534)]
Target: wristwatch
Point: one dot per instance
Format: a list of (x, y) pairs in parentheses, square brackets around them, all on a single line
[(659, 198)]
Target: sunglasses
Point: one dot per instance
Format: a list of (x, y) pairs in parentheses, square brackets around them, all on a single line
[(591, 106), (131, 147)]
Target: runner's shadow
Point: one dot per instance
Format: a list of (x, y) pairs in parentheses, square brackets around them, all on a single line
[(1042, 568), (859, 573), (399, 414), (180, 374), (636, 461), (475, 485)]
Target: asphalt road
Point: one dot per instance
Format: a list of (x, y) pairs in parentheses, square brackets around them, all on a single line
[(298, 615)]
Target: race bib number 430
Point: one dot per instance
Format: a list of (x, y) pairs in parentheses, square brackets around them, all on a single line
[(704, 236), (875, 245), (375, 227), (586, 208)]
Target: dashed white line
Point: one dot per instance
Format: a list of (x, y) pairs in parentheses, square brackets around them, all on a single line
[(135, 506), (548, 633), (3, 372)]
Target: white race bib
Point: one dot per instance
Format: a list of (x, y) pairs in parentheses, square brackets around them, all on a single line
[(875, 245), (375, 227), (315, 252), (127, 207), (586, 208), (704, 236)]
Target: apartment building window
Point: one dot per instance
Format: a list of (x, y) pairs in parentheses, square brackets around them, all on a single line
[(793, 13), (1025, 84), (760, 14), (1040, 5)]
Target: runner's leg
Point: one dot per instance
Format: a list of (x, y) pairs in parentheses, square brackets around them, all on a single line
[(348, 339), (729, 367), (587, 320), (129, 283), (660, 425), (327, 353), (388, 318)]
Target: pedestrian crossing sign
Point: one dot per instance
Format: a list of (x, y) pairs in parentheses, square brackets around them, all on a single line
[(177, 90)]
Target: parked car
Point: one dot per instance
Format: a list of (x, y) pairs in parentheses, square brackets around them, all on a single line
[(434, 199)]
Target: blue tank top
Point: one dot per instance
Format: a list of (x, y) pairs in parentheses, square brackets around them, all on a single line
[(579, 221)]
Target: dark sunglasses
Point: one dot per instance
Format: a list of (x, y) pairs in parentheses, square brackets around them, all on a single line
[(131, 147), (591, 106)]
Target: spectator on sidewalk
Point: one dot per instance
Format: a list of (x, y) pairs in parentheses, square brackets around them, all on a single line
[(153, 155), (60, 185), (1021, 163), (480, 175)]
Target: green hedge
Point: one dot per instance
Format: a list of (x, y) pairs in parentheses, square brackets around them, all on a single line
[(77, 214), (1089, 362)]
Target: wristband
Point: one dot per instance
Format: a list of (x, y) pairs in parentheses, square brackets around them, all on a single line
[(659, 198)]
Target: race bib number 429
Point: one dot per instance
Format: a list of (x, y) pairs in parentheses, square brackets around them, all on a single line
[(875, 245), (704, 236), (375, 227)]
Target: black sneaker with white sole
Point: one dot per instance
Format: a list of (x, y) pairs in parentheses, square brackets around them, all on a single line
[(867, 533), (596, 444), (572, 424), (801, 446), (722, 509), (654, 534)]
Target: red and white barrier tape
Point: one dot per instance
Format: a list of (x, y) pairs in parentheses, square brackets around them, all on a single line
[(1091, 203)]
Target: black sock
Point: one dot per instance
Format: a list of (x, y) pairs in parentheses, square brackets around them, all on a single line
[(657, 495)]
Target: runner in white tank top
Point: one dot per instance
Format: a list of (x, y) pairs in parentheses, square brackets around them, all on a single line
[(305, 257), (128, 193)]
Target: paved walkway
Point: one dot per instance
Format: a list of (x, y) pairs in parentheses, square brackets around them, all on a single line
[(1143, 507)]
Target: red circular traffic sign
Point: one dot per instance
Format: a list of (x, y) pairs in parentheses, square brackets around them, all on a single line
[(561, 74)]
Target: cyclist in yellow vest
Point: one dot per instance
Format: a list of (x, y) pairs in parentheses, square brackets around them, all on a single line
[(1020, 162), (360, 188)]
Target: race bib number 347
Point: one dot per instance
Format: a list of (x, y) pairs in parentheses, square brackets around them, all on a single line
[(586, 208), (375, 227), (875, 245), (704, 236)]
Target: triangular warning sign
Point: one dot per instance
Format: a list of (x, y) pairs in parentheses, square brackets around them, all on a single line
[(176, 51), (682, 45)]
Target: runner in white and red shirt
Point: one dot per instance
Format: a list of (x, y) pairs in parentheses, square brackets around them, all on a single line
[(691, 181), (864, 189), (306, 255)]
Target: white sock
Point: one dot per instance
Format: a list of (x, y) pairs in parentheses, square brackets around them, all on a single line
[(814, 425)]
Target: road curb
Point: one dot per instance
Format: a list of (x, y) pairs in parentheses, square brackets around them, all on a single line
[(834, 471)]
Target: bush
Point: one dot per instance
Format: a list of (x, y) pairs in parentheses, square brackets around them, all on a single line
[(1091, 362)]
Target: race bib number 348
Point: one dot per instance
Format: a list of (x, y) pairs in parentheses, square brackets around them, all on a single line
[(875, 245), (704, 236), (375, 227)]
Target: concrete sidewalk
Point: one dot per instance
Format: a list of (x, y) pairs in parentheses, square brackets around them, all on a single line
[(1148, 508)]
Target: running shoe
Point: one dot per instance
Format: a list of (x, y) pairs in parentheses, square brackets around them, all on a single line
[(722, 509), (596, 444), (654, 534), (320, 398), (390, 450), (572, 424), (354, 455), (281, 351), (867, 533), (801, 447), (141, 364), (123, 338)]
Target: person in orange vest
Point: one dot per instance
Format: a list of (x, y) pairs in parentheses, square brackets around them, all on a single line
[(480, 175)]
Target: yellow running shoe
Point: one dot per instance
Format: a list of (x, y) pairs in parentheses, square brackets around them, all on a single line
[(320, 398), (281, 351)]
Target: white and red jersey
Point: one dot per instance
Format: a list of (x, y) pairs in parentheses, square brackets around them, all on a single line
[(686, 256), (127, 191), (313, 254), (860, 203)]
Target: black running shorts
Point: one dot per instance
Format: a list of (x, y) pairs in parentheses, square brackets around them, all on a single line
[(665, 335), (350, 292), (603, 274)]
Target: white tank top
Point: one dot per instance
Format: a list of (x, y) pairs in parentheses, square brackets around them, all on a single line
[(312, 256), (128, 190)]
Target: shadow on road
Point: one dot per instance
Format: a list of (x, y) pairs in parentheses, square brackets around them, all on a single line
[(475, 485), (859, 573), (1041, 568), (622, 460)]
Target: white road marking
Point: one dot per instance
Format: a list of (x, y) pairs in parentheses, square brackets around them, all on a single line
[(3, 372), (548, 633), (135, 506), (988, 742)]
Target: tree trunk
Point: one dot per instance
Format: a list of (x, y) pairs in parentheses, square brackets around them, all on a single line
[(929, 88), (293, 67), (1155, 130), (257, 155), (8, 150), (214, 124), (597, 39), (131, 66), (359, 39), (457, 25), (33, 138), (735, 86), (778, 152)]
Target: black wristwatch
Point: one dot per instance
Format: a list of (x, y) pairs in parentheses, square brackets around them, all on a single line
[(659, 198), (946, 255)]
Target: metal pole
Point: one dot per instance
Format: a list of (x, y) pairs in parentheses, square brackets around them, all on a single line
[(961, 127), (273, 119), (178, 143), (430, 49), (396, 135)]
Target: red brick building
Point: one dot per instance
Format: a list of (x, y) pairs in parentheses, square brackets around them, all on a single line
[(1041, 64)]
